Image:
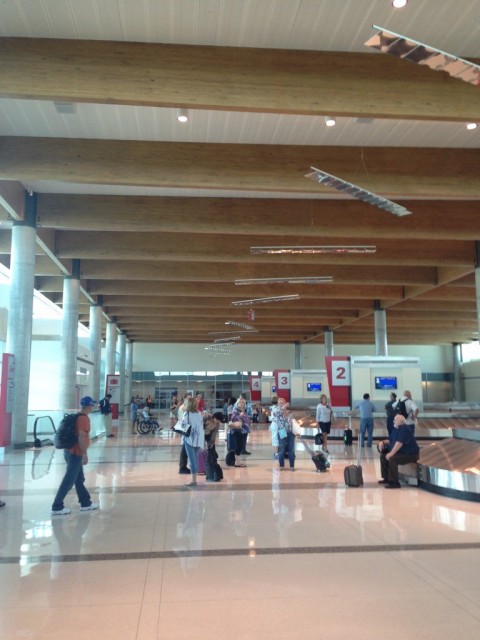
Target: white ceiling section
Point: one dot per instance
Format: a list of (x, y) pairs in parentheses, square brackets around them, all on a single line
[(423, 271)]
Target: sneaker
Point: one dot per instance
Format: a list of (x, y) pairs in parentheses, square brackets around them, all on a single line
[(275, 456), (246, 453), (91, 507), (61, 512), (184, 470)]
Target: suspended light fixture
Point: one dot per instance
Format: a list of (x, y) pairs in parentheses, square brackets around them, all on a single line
[(353, 190), (182, 115), (289, 280), (313, 249), (222, 333), (220, 340), (330, 121), (409, 49), (242, 325), (240, 303)]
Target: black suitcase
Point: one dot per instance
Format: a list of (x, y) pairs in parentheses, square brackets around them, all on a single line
[(353, 474), (230, 440), (230, 459), (319, 459), (348, 433)]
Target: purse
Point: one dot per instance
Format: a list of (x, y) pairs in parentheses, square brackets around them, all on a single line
[(282, 433), (183, 429), (296, 428)]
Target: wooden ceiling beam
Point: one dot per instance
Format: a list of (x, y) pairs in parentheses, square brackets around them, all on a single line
[(393, 172), (230, 78), (155, 247), (228, 273), (249, 216)]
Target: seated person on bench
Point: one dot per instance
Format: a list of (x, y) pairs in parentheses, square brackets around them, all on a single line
[(401, 449)]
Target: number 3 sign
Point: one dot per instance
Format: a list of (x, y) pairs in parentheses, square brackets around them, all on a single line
[(340, 373), (284, 380)]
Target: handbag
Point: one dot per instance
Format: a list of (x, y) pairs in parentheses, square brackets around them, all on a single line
[(282, 433), (296, 428), (183, 429)]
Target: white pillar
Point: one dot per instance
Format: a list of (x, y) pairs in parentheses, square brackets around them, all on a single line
[(458, 393), (19, 328), (110, 350), (128, 371), (122, 341), (95, 346), (380, 318), (69, 342), (298, 355), (329, 342)]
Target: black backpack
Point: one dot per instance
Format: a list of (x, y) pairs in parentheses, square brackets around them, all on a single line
[(66, 435), (401, 408)]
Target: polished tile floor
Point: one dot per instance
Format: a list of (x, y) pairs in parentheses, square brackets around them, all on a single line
[(262, 554)]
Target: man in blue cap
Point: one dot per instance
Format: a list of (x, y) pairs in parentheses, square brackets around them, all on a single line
[(76, 457)]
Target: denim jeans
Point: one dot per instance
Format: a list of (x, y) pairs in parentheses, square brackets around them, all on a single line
[(192, 453), (366, 424), (290, 440), (74, 476)]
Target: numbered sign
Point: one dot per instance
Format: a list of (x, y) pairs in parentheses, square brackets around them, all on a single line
[(284, 380), (340, 373)]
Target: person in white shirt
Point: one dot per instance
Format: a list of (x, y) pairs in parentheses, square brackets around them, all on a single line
[(412, 411), (325, 417)]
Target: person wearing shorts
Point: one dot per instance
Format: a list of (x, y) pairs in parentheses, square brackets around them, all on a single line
[(324, 419)]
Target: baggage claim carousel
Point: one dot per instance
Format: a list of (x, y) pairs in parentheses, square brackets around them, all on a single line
[(449, 442)]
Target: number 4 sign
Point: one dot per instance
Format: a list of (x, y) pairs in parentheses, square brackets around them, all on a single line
[(340, 373)]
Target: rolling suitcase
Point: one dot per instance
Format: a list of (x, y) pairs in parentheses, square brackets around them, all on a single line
[(348, 433), (202, 459), (320, 459), (353, 472)]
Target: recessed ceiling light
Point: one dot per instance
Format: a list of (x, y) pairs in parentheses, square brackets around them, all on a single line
[(330, 121), (289, 280), (409, 49), (313, 249), (399, 4), (471, 126), (240, 303), (357, 192)]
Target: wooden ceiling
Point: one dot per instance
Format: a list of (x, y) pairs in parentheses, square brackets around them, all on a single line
[(163, 224)]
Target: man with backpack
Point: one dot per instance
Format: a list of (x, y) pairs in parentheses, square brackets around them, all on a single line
[(76, 457), (407, 408)]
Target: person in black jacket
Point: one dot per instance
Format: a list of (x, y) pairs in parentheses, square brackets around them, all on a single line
[(106, 411), (391, 413)]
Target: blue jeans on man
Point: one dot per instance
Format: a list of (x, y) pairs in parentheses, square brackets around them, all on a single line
[(74, 476), (290, 441), (366, 425)]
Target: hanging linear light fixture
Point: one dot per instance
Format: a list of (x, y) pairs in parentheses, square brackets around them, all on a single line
[(409, 49), (240, 303), (247, 327), (356, 192), (222, 333), (313, 249), (290, 280), (220, 340)]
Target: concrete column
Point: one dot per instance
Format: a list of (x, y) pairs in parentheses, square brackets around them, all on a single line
[(19, 327), (69, 342), (95, 346), (458, 391), (122, 342), (477, 293), (110, 350), (128, 371), (298, 356), (380, 318), (329, 351)]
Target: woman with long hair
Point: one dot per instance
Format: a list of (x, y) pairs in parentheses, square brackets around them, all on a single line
[(196, 439)]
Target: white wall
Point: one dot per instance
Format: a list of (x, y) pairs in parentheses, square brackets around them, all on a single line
[(182, 357), (471, 380)]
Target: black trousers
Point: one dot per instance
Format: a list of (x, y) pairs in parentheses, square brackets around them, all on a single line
[(389, 468), (239, 439), (183, 462)]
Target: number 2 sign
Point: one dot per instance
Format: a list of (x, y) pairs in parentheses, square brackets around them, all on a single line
[(340, 373)]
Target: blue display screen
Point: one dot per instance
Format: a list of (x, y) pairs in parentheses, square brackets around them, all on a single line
[(314, 386), (382, 382)]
